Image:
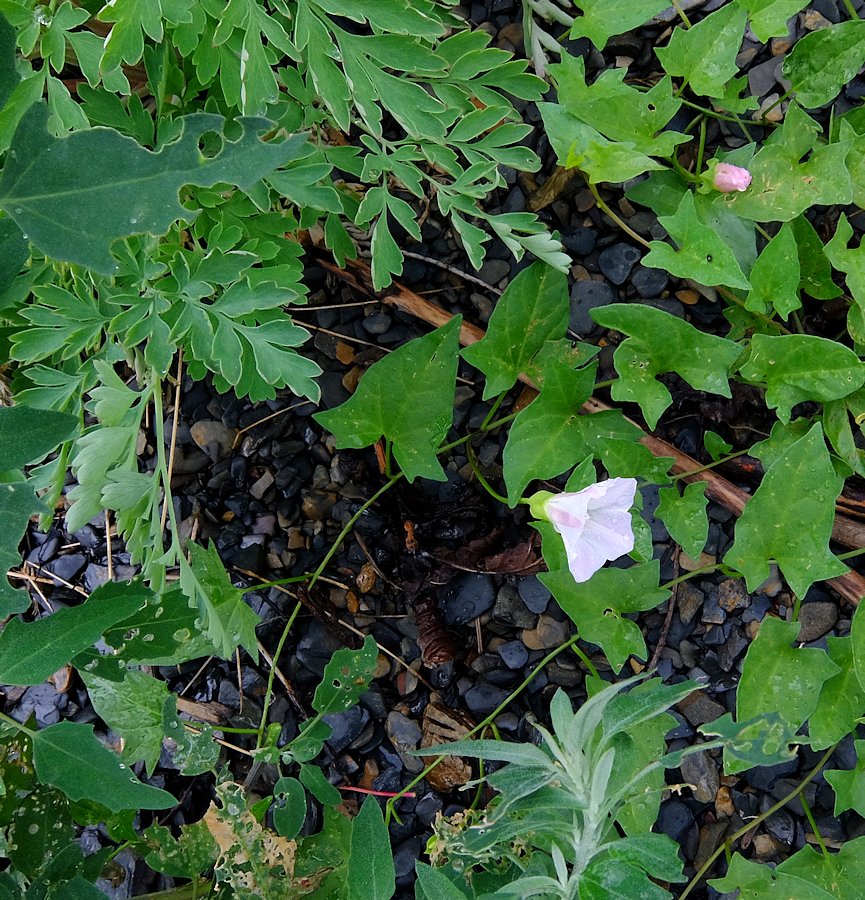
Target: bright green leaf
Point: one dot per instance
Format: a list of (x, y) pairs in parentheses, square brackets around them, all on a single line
[(289, 807), (825, 61), (30, 652), (615, 879), (370, 862), (705, 55), (775, 276), (685, 516), (407, 398), (849, 784), (790, 518), (346, 678), (842, 698), (798, 367), (601, 19), (533, 309), (768, 18), (70, 757), (840, 873), (26, 435), (767, 684), (758, 882), (815, 270)]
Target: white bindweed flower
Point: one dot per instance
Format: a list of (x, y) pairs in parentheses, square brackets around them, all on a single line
[(595, 523)]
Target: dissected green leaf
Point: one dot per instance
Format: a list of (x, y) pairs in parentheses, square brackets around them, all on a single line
[(768, 18), (685, 516), (30, 652), (73, 196), (767, 686), (601, 19), (229, 620), (798, 367), (824, 61), (660, 342), (789, 519), (702, 253), (26, 435), (70, 757), (533, 309), (597, 606), (842, 697), (346, 678), (758, 882), (775, 276), (705, 55), (407, 398), (370, 863), (617, 110)]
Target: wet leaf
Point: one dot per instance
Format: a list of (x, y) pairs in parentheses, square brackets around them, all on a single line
[(789, 519), (346, 678), (775, 276), (758, 882), (184, 857), (814, 268), (601, 19), (407, 398), (824, 61), (842, 697), (838, 874), (685, 516), (762, 741), (768, 18)]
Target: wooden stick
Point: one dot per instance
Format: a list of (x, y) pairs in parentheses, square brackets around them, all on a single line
[(846, 531)]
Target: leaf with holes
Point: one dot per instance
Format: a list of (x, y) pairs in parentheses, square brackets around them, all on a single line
[(407, 398), (789, 519), (346, 678)]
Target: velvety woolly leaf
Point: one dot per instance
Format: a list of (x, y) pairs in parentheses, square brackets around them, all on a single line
[(815, 272), (601, 19), (702, 254), (797, 367), (824, 61), (70, 757), (73, 196), (533, 309), (842, 698), (133, 708), (18, 503), (778, 678), (346, 678), (30, 652), (789, 519), (655, 345), (839, 874), (229, 620), (435, 885), (597, 606), (705, 55), (685, 516), (407, 398), (370, 863), (768, 18), (758, 882), (548, 436), (617, 110), (579, 146), (775, 276), (761, 741), (783, 186), (849, 784)]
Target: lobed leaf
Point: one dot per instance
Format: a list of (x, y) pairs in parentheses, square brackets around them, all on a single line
[(842, 697), (768, 18), (758, 882), (761, 741), (601, 19), (685, 516)]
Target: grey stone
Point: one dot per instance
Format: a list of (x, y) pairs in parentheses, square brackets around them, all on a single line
[(377, 323), (67, 566), (586, 296), (215, 438), (674, 819), (345, 727), (510, 609), (579, 241), (514, 654), (649, 282), (699, 708), (732, 649), (535, 595), (483, 698), (494, 270), (701, 772), (548, 633), (763, 77), (466, 597), (617, 261), (690, 601), (405, 735), (816, 620)]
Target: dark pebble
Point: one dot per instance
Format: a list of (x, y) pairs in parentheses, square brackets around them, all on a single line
[(762, 778), (617, 261), (68, 566), (674, 819), (781, 825), (586, 296), (466, 597), (580, 241), (377, 323), (427, 808), (514, 654), (404, 858), (345, 727), (649, 282), (316, 647), (483, 698), (44, 552), (535, 595)]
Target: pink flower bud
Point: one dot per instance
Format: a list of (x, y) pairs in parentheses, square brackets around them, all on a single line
[(727, 178)]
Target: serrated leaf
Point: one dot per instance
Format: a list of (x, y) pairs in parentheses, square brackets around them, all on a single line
[(790, 518), (371, 873), (597, 606), (346, 678), (839, 874), (229, 620), (617, 110), (133, 708), (705, 55), (685, 516), (30, 652), (824, 61), (758, 882), (775, 276), (655, 345), (73, 196), (579, 146), (798, 367), (761, 741), (533, 309), (602, 19), (407, 398), (70, 757), (26, 434), (842, 698), (768, 18), (783, 186), (17, 504), (702, 254), (778, 678)]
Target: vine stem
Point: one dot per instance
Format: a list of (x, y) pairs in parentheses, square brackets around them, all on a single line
[(12, 723), (615, 217), (755, 822)]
